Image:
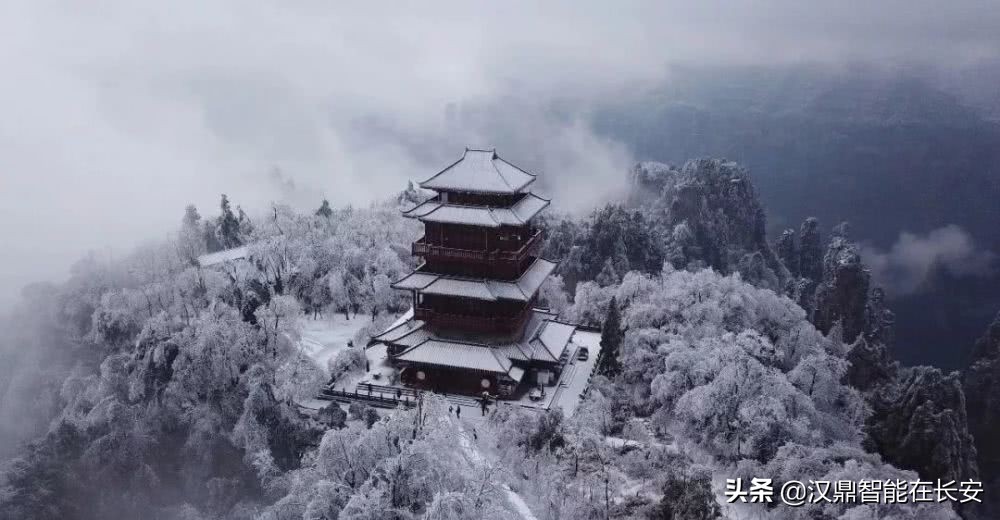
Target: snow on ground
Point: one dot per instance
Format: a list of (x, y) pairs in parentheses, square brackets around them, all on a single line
[(380, 373), (572, 385), (573, 379), (477, 457), (228, 255), (323, 338), (312, 404), (518, 503), (620, 443)]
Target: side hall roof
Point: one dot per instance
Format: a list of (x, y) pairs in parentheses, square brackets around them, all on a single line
[(480, 171), (458, 355)]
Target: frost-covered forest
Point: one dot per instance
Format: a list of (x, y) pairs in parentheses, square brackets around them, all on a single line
[(864, 143), (147, 386)]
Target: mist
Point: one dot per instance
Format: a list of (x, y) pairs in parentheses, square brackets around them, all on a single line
[(907, 265), (118, 114)]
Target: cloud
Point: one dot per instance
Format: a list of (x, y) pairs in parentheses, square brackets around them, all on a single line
[(912, 259), (118, 113)]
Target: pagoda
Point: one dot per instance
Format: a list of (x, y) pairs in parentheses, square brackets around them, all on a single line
[(474, 326)]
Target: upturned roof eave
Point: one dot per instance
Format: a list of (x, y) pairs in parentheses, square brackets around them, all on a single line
[(453, 189), (432, 182)]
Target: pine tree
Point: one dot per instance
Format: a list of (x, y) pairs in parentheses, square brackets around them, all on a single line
[(212, 243), (619, 257), (191, 217), (245, 225), (608, 275), (572, 268), (190, 241), (611, 340), (228, 229), (324, 210)]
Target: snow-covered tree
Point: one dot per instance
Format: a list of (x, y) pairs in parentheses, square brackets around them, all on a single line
[(190, 238), (552, 294), (228, 226), (340, 296), (324, 210)]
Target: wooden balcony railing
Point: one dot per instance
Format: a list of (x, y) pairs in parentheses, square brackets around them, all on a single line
[(530, 248), (487, 324)]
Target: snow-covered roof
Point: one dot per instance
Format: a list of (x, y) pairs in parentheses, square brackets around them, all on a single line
[(458, 355), (454, 214), (218, 257), (398, 331), (553, 337), (543, 339), (535, 276), (477, 289), (518, 214), (416, 280), (529, 206), (485, 289), (518, 347), (480, 171)]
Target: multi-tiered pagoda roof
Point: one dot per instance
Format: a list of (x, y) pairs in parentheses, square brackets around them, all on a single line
[(480, 171), (474, 295)]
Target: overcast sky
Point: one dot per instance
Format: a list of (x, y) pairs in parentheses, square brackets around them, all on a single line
[(115, 114)]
